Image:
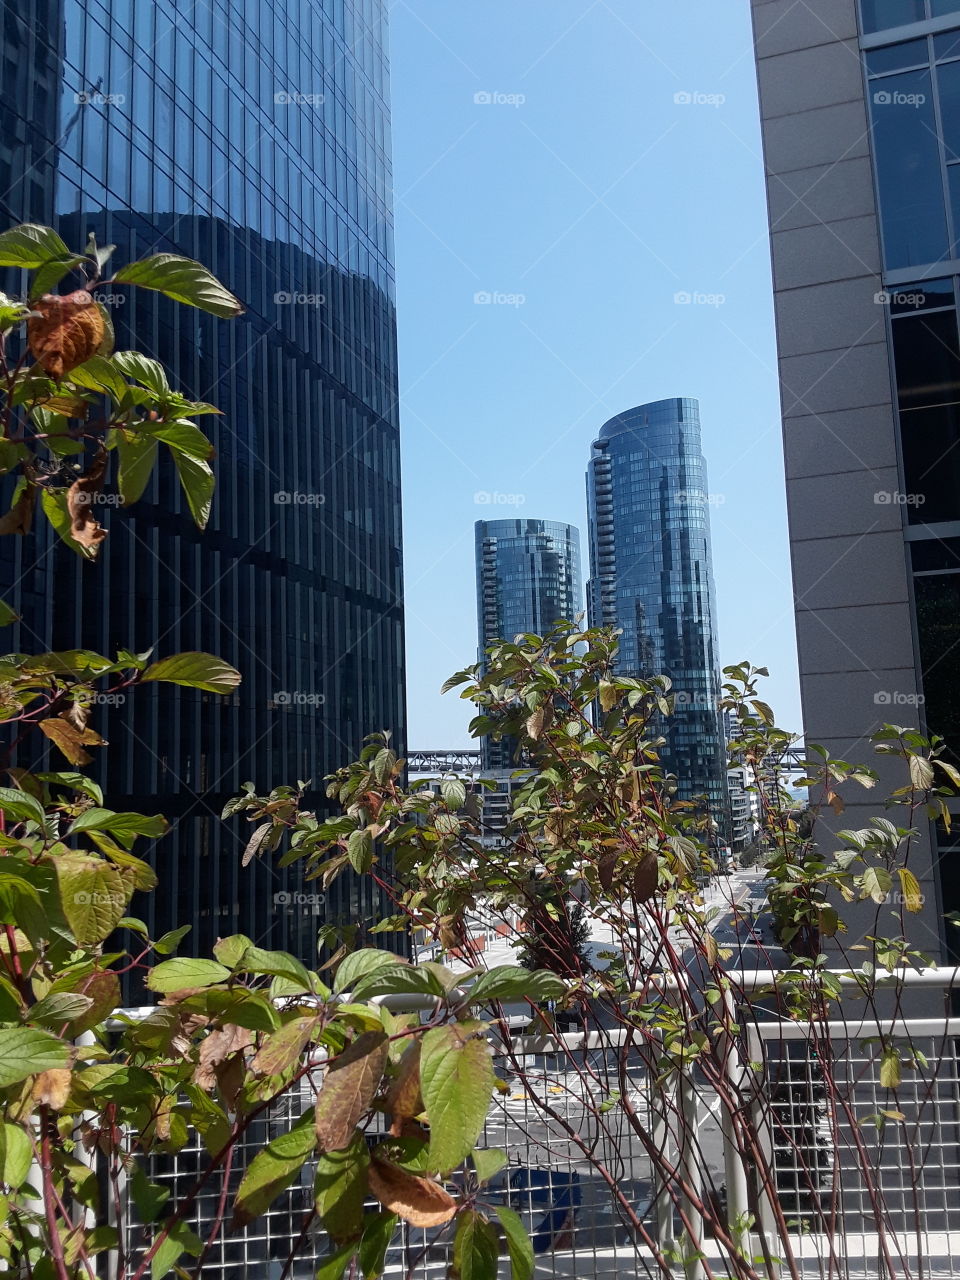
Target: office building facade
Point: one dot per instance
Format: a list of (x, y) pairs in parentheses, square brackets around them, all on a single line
[(652, 578), (254, 137), (860, 106), (528, 579)]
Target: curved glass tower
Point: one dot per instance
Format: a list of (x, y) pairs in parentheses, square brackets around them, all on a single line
[(528, 578), (254, 136), (652, 576)]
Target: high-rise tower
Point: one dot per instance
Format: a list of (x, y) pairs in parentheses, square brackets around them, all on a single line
[(652, 577), (254, 137), (528, 578)]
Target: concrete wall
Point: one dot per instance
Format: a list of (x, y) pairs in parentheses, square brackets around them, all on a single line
[(851, 583)]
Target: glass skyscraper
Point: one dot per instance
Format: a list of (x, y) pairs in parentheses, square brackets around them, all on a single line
[(528, 578), (652, 577), (252, 135)]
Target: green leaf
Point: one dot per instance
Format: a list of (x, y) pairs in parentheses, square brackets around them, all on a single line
[(75, 782), (198, 483), (183, 280), (332, 1268), (125, 826), (377, 1233), (54, 503), (360, 850), (910, 887), (510, 982), (272, 1170), (30, 245), (518, 1243), (196, 671), (488, 1162), (7, 615), (141, 369), (58, 1007), (16, 1155), (281, 1051), (340, 1188), (476, 1248), (183, 971), (99, 374), (399, 979), (890, 1071), (921, 772), (359, 963), (138, 454), (456, 1081), (349, 1088), (877, 883), (180, 1239), (18, 806), (171, 940), (149, 1197), (94, 896), (50, 273), (185, 437), (26, 1052), (454, 792)]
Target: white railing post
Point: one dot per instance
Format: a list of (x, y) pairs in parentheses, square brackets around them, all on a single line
[(690, 1170), (736, 1073)]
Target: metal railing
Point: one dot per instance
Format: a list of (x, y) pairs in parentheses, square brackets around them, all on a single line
[(880, 1164)]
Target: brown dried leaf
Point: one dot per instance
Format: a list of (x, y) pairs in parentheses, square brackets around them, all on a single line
[(404, 1100), (67, 738), (214, 1051), (349, 1088), (419, 1201), (68, 330), (646, 877), (20, 516), (605, 871), (51, 1088), (85, 529)]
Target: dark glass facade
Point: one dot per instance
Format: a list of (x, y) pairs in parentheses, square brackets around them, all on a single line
[(652, 577), (879, 15), (254, 136), (528, 579)]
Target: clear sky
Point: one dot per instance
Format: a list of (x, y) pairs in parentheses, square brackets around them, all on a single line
[(543, 157)]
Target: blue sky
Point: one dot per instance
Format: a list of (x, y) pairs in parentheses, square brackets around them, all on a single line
[(583, 195)]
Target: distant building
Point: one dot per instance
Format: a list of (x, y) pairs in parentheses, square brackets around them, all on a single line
[(652, 577), (528, 579)]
